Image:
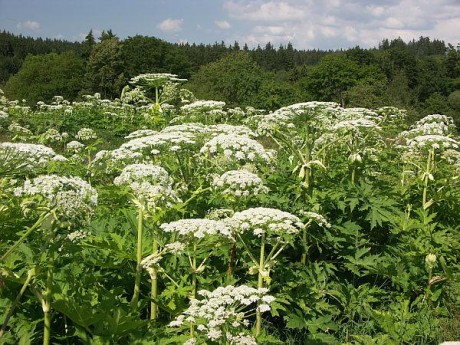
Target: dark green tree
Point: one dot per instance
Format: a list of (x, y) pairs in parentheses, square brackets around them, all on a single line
[(235, 79), (43, 76), (105, 69)]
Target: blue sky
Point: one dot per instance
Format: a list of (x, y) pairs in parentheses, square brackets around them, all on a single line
[(307, 24)]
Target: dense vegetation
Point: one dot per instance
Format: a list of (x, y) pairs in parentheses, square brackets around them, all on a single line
[(157, 218), (422, 76)]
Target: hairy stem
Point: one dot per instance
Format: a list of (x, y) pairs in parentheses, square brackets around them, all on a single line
[(154, 287), (260, 284), (137, 281)]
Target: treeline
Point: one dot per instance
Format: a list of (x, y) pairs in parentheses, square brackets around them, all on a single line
[(422, 75)]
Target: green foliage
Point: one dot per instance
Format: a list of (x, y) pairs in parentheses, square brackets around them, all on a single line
[(62, 77)]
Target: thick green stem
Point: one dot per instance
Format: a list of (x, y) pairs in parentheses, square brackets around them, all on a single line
[(28, 232), (260, 284), (30, 275), (427, 177), (154, 287), (194, 285), (303, 260), (353, 175), (46, 302), (307, 161), (137, 281)]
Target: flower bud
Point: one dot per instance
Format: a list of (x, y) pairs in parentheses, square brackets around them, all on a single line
[(430, 260)]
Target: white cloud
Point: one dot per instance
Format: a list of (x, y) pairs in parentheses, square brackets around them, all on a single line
[(330, 24), (265, 11), (29, 25), (223, 24), (170, 25)]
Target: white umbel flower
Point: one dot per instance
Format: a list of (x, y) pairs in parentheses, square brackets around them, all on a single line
[(239, 183), (222, 310), (86, 134), (31, 155), (150, 184), (72, 198), (197, 228), (261, 220), (237, 147)]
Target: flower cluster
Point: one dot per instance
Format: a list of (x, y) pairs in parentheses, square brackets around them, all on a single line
[(160, 142), (434, 124), (236, 147), (75, 146), (72, 198), (202, 106), (317, 218), (221, 313), (433, 141), (141, 133), (150, 184), (19, 131), (351, 114), (30, 155), (197, 228), (86, 134), (239, 183), (151, 261), (51, 136), (262, 220), (154, 79), (223, 128), (114, 160)]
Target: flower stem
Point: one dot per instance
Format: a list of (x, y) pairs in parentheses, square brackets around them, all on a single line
[(137, 281), (30, 275), (154, 287), (46, 302), (28, 232), (427, 177), (260, 284)]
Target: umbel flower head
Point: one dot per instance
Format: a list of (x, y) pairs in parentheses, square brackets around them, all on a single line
[(239, 183), (149, 80), (86, 134), (150, 184), (262, 220), (221, 313), (197, 228), (236, 147), (30, 156), (72, 198)]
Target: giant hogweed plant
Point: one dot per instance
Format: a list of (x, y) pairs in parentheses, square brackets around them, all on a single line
[(383, 266)]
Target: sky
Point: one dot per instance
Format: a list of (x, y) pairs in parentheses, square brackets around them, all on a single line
[(307, 24)]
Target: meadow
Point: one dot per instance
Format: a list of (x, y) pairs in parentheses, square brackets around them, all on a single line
[(158, 218)]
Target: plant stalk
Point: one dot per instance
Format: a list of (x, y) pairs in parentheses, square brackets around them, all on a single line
[(154, 287), (137, 281), (260, 284)]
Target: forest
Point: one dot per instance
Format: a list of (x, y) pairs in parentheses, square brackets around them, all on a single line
[(421, 76)]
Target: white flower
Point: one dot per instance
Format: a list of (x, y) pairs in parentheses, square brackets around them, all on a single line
[(220, 310), (30, 155), (86, 134), (239, 182), (73, 198), (141, 133), (150, 184), (261, 220), (75, 146), (237, 147), (197, 228), (317, 218)]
